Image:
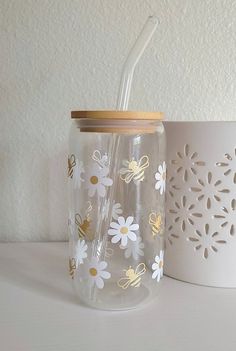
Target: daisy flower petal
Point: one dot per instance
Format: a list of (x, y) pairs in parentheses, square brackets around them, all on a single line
[(124, 240), (107, 181), (121, 221), (134, 227), (99, 282), (154, 274), (164, 166), (101, 190), (112, 231), (129, 221), (80, 252), (160, 169), (132, 236), (105, 275), (96, 180), (114, 225), (91, 192), (116, 210), (115, 239), (157, 266), (102, 265), (160, 176), (122, 230), (96, 272), (127, 253), (104, 172)]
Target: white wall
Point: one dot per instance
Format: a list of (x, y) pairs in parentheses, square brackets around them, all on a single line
[(58, 55)]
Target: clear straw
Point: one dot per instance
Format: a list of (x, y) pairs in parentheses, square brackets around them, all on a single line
[(122, 104), (132, 60)]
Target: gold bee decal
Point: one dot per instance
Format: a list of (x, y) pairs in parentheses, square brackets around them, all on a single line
[(134, 170), (109, 252), (83, 224), (155, 221), (132, 277), (72, 267), (102, 160), (71, 165)]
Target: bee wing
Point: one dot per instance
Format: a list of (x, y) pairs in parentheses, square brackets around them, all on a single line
[(96, 155), (141, 269), (124, 283), (90, 207), (109, 252), (152, 218), (73, 263), (125, 163), (125, 170), (129, 177), (126, 175), (143, 162), (72, 160), (78, 219), (104, 159)]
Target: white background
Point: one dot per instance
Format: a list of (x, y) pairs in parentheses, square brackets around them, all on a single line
[(59, 55)]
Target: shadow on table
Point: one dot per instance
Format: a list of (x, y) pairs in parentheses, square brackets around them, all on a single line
[(38, 267)]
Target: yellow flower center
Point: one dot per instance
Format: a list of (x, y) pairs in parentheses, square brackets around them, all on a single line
[(93, 272), (94, 180), (160, 264), (164, 176), (124, 230)]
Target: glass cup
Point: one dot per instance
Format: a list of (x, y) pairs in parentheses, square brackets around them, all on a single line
[(117, 177)]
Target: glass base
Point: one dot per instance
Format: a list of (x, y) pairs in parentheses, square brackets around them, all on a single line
[(112, 298)]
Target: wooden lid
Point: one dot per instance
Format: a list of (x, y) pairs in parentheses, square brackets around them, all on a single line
[(125, 115)]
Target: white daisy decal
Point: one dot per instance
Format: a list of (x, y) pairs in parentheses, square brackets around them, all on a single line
[(123, 230), (78, 170), (115, 212), (157, 266), (97, 180), (97, 273), (80, 252), (160, 176), (134, 248)]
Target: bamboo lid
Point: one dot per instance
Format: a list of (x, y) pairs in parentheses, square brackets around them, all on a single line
[(111, 121), (126, 115)]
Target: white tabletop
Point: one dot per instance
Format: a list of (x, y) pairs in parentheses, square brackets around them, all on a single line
[(38, 311)]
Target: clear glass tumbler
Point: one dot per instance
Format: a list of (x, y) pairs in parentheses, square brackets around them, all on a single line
[(117, 179)]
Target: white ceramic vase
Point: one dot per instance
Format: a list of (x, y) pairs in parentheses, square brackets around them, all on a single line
[(201, 202)]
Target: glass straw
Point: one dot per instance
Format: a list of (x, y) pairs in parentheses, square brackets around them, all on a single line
[(132, 60), (122, 104)]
